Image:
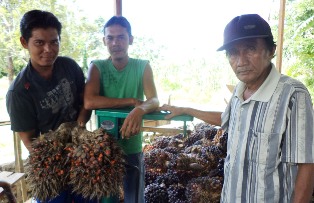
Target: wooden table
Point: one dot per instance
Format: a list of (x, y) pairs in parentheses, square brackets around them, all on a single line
[(10, 178), (113, 119)]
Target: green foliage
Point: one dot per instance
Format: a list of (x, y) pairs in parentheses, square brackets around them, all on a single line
[(145, 47), (299, 41), (78, 34), (9, 36), (192, 79)]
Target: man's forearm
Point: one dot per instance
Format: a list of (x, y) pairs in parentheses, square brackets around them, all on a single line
[(304, 183), (211, 117), (26, 138), (84, 116), (99, 102), (149, 105)]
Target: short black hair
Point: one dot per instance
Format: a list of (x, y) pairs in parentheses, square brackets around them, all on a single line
[(119, 20), (38, 19)]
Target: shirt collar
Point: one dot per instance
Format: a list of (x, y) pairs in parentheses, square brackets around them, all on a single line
[(265, 91)]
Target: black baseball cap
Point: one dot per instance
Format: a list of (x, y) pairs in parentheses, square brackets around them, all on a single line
[(245, 27)]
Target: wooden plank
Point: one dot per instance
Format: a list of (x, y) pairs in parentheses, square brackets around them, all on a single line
[(13, 178), (280, 34), (118, 7), (4, 174), (21, 186), (10, 177), (2, 123), (230, 88), (161, 130), (155, 123), (163, 122), (152, 123)]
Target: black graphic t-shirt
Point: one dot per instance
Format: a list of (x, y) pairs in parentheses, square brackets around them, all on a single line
[(36, 103)]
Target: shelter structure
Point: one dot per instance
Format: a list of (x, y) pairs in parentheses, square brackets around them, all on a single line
[(118, 5)]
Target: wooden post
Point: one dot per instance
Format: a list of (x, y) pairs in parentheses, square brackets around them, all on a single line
[(19, 167), (280, 34), (118, 7)]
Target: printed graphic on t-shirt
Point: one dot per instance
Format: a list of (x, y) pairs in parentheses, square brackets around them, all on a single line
[(59, 97), (110, 79)]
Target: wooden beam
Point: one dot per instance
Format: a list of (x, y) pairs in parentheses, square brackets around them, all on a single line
[(162, 130), (2, 123), (19, 167), (280, 34), (117, 7), (10, 177)]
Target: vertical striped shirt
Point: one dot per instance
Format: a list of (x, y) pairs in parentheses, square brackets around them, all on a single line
[(269, 134)]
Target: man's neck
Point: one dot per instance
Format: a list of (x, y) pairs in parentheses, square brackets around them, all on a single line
[(44, 72), (120, 64)]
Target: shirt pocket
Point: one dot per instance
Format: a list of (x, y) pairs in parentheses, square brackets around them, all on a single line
[(264, 148)]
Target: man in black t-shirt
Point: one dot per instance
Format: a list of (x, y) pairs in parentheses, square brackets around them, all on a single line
[(35, 103), (49, 90)]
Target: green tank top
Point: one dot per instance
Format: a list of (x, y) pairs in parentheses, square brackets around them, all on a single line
[(126, 83)]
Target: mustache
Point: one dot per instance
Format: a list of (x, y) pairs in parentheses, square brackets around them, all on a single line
[(240, 70), (117, 49)]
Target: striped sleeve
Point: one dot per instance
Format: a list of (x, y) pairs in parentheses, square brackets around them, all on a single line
[(298, 143)]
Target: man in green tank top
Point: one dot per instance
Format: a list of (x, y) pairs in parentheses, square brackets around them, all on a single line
[(119, 82)]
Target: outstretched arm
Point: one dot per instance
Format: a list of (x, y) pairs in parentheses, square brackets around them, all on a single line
[(211, 117), (133, 122)]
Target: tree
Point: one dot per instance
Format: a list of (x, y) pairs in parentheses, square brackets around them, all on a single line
[(11, 54), (299, 41), (78, 34)]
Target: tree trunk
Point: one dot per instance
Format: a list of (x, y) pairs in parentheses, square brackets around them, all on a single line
[(10, 69)]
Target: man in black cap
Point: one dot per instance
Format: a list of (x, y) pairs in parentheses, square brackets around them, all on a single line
[(269, 120)]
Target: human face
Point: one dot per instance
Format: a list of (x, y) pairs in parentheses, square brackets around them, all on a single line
[(117, 41), (43, 47), (250, 60)]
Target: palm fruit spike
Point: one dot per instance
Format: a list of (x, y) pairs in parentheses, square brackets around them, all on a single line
[(46, 169), (97, 164)]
